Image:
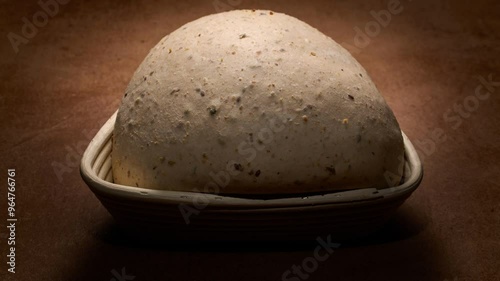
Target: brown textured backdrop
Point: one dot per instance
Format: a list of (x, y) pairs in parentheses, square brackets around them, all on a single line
[(65, 82)]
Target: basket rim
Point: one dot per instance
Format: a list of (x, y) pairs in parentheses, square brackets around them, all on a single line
[(112, 190)]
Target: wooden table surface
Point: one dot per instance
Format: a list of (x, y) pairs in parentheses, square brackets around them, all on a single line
[(437, 65)]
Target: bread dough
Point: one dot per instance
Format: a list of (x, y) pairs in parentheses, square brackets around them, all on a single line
[(253, 102)]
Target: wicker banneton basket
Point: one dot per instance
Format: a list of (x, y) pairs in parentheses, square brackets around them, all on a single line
[(341, 214)]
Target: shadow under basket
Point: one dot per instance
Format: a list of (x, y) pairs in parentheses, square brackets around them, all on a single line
[(198, 216)]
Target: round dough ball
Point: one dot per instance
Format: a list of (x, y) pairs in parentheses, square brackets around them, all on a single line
[(254, 102)]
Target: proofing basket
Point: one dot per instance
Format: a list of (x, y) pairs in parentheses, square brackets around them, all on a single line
[(343, 214)]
